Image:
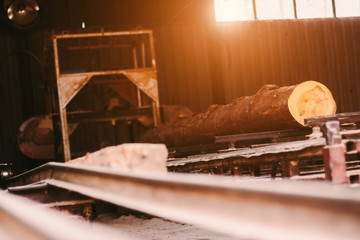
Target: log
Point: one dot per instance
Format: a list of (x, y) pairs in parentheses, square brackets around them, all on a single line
[(36, 135), (271, 108), (36, 138)]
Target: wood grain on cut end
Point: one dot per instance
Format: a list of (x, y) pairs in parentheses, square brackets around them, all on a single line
[(310, 99)]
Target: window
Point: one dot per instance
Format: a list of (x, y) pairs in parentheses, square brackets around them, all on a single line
[(274, 9), (314, 8), (348, 8), (243, 10), (233, 10)]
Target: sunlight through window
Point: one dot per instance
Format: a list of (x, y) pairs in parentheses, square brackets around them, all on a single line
[(233, 10), (348, 8), (275, 9), (314, 8), (243, 10)]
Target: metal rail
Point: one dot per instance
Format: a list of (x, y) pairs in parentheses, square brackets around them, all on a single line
[(244, 155), (257, 210), (24, 219), (350, 117), (262, 135)]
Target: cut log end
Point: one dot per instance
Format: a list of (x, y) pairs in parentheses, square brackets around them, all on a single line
[(310, 99)]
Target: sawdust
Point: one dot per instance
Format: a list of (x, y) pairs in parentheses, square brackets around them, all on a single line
[(158, 229)]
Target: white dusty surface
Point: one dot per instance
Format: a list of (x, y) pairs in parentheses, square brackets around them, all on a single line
[(158, 229), (135, 157)]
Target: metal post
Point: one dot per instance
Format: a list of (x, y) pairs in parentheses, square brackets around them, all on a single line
[(254, 8), (334, 163), (143, 55), (334, 7), (295, 9), (62, 109), (156, 104), (290, 168), (138, 92), (334, 154)]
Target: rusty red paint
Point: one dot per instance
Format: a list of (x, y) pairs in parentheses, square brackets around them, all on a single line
[(334, 163)]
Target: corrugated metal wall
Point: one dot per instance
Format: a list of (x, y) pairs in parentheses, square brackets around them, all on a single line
[(289, 52), (183, 66)]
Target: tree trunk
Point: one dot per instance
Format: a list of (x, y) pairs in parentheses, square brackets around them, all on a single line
[(271, 108)]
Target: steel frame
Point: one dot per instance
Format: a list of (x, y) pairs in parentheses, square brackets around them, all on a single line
[(68, 85)]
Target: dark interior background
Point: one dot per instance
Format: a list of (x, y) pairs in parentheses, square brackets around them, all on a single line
[(199, 61)]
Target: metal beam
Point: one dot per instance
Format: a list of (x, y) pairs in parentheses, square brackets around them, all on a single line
[(24, 219), (252, 209), (266, 154), (103, 34), (350, 117), (262, 135)]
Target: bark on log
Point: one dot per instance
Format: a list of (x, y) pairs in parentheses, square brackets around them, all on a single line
[(271, 108), (35, 138)]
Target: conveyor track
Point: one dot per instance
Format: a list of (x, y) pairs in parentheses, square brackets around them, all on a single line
[(236, 206)]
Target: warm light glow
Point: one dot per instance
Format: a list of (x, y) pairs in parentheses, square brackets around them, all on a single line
[(314, 8), (275, 9), (348, 8), (243, 10), (233, 10)]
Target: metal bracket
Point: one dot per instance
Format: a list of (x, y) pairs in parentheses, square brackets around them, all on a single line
[(332, 132), (334, 154)]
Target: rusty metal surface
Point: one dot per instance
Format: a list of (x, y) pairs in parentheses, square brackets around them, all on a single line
[(62, 109), (351, 117), (334, 163), (281, 148), (234, 206), (262, 135), (146, 81), (81, 208), (103, 34), (336, 155), (71, 84), (24, 219)]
